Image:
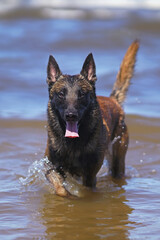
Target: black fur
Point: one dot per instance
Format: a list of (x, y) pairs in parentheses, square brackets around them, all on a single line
[(81, 156)]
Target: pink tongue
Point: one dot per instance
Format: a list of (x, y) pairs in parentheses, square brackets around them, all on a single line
[(71, 130)]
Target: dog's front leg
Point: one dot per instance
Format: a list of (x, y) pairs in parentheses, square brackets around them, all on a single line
[(89, 175), (57, 181), (92, 164), (89, 180)]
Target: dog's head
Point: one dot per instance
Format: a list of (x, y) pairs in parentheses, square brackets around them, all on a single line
[(71, 95)]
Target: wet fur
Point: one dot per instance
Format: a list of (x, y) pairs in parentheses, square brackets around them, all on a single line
[(102, 129)]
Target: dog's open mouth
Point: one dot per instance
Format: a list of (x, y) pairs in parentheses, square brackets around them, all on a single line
[(71, 129)]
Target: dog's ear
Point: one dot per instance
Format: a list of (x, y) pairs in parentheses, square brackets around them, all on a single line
[(53, 71), (89, 69)]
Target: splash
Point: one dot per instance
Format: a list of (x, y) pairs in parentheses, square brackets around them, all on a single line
[(36, 173), (36, 176), (36, 179)]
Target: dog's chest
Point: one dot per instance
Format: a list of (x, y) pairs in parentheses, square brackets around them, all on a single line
[(73, 159)]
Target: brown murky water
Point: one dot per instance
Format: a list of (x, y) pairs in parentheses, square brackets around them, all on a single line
[(120, 210), (116, 210)]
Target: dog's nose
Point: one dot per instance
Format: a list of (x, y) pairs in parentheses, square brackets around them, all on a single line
[(71, 116)]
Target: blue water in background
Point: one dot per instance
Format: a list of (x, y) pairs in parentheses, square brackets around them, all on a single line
[(29, 35)]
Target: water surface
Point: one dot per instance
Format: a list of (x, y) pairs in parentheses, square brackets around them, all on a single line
[(29, 209)]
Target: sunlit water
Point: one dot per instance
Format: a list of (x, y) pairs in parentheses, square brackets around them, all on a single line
[(29, 208)]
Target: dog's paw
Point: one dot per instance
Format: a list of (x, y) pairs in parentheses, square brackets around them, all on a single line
[(57, 181)]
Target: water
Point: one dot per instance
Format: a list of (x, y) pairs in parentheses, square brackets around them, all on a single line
[(29, 32)]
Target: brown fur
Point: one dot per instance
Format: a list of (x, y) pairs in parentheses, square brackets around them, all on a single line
[(102, 128)]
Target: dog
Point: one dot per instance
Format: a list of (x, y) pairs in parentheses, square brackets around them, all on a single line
[(84, 128)]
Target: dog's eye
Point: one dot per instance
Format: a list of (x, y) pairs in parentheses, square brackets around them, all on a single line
[(61, 95), (81, 94)]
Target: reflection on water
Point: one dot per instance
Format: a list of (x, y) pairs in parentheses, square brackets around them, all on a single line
[(95, 217)]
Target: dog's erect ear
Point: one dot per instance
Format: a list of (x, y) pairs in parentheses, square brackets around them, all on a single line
[(89, 68), (53, 71)]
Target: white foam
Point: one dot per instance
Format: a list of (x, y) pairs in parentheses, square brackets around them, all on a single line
[(147, 4), (74, 8)]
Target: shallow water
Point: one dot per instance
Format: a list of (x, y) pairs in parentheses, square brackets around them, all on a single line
[(116, 210), (29, 209)]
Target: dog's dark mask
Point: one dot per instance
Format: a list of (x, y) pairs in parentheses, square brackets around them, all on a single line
[(70, 95)]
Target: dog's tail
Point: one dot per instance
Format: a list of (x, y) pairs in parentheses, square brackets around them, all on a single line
[(125, 73)]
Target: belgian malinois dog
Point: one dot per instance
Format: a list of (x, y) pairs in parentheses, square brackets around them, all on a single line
[(83, 129)]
